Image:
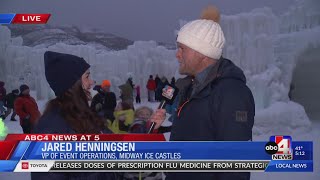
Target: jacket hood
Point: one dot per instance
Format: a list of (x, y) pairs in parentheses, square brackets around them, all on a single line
[(227, 69)]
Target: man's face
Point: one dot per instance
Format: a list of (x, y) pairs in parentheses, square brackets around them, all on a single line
[(26, 92), (106, 88), (189, 60)]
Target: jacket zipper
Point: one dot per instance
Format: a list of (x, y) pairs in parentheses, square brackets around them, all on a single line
[(180, 108)]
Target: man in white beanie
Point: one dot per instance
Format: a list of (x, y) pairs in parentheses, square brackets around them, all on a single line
[(214, 103)]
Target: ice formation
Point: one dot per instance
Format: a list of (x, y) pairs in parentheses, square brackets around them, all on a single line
[(267, 47)]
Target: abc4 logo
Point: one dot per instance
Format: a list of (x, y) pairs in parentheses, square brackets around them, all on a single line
[(279, 147)]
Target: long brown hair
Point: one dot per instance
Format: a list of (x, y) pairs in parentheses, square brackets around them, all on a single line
[(74, 108)]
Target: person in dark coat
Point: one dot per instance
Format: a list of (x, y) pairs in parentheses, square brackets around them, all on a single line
[(159, 91), (9, 103), (130, 81), (157, 80), (27, 109), (138, 97), (69, 112), (105, 101), (3, 94), (173, 81), (215, 102), (163, 82)]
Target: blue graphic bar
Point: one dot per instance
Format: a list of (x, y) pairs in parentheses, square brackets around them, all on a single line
[(290, 166), (20, 150), (7, 166), (164, 150), (6, 18)]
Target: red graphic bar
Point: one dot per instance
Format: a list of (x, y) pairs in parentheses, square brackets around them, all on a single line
[(31, 19), (85, 137), (6, 149)]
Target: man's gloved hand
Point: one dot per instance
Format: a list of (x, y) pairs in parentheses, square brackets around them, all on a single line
[(98, 107)]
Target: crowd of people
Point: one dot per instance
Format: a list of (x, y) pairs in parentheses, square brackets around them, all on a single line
[(19, 103), (156, 85), (213, 104), (119, 117)]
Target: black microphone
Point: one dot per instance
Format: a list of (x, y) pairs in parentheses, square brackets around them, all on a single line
[(169, 93)]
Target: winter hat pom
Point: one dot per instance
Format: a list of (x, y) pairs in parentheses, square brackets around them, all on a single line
[(211, 13)]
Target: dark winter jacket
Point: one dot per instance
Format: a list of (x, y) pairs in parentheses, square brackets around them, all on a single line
[(126, 92), (107, 100), (221, 109), (10, 99), (25, 106), (157, 80), (3, 91), (53, 123)]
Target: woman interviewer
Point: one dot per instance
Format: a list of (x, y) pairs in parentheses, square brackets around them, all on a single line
[(69, 112)]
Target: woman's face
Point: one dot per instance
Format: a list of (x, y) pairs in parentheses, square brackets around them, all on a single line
[(87, 82)]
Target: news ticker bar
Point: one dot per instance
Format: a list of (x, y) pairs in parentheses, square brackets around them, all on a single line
[(24, 18), (161, 166)]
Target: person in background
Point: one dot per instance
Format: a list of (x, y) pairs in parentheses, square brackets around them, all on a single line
[(3, 94), (9, 103), (157, 80), (104, 102), (142, 121), (138, 98), (161, 85), (124, 117), (126, 93), (27, 109), (130, 81), (151, 86), (173, 81)]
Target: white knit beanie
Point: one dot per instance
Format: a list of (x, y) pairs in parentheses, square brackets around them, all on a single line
[(203, 36)]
